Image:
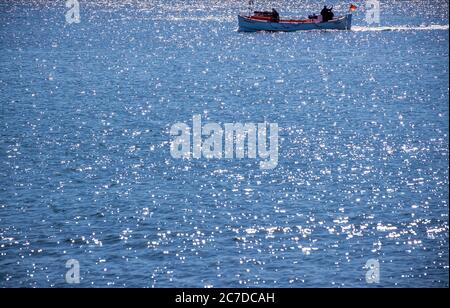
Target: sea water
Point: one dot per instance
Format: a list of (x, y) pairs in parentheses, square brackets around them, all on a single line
[(86, 172)]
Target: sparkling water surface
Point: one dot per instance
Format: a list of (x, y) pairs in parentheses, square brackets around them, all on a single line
[(86, 171)]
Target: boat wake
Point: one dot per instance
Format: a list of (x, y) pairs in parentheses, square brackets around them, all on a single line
[(400, 28), (196, 18)]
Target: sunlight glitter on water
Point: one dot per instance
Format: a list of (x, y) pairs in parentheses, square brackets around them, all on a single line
[(87, 172)]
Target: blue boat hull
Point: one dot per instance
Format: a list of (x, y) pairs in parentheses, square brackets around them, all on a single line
[(251, 25)]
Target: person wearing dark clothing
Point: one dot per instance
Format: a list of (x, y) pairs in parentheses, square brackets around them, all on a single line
[(330, 13), (327, 14), (324, 13)]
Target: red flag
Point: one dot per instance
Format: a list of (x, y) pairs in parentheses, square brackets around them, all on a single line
[(353, 7)]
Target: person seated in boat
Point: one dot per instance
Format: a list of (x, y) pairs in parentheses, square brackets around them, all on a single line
[(331, 14), (327, 14), (275, 16), (324, 13)]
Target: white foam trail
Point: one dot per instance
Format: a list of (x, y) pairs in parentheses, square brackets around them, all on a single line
[(400, 28), (195, 18)]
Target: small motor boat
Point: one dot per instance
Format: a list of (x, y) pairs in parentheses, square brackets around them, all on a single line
[(271, 21)]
